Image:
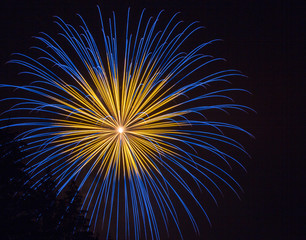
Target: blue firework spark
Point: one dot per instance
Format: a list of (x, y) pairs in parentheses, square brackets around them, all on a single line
[(132, 133)]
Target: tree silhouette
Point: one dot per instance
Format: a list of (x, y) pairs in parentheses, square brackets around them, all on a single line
[(36, 213), (13, 191)]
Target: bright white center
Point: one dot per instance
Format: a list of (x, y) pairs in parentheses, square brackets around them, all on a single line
[(120, 129)]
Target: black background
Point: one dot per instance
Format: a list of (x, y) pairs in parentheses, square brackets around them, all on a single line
[(263, 39)]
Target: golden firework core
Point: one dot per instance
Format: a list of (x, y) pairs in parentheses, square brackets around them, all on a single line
[(120, 129)]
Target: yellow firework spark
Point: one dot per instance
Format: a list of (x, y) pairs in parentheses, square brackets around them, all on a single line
[(119, 133)]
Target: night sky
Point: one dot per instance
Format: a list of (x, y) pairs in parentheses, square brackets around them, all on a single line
[(263, 39)]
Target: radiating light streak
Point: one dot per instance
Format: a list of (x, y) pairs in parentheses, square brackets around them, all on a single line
[(127, 131)]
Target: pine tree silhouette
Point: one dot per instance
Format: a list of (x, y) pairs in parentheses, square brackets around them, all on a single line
[(29, 213)]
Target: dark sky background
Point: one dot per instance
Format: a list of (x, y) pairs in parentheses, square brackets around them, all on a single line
[(263, 39)]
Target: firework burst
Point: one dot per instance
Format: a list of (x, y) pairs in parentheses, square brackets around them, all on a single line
[(129, 137)]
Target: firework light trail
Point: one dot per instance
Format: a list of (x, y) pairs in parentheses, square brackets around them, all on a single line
[(130, 137)]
